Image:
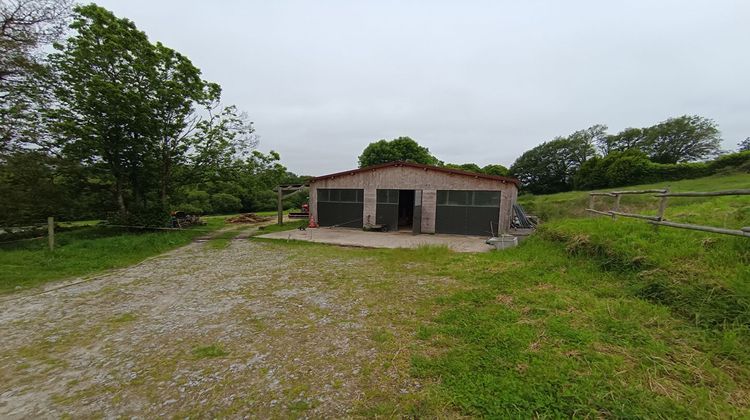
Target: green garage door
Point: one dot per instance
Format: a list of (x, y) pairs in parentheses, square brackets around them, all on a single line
[(467, 212), (340, 207), (386, 209)]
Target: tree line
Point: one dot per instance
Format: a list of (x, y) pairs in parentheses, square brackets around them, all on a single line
[(677, 148), (111, 124), (407, 149)]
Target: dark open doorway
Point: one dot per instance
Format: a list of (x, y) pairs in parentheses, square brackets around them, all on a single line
[(405, 209)]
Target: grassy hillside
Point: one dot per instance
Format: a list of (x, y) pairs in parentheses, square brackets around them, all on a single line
[(719, 211), (703, 276), (600, 317)]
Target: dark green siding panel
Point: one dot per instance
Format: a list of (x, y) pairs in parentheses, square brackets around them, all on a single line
[(387, 214), (340, 214), (386, 209), (450, 219), (340, 207), (479, 218), (453, 218)]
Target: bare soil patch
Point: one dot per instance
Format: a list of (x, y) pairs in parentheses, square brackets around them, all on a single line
[(248, 218)]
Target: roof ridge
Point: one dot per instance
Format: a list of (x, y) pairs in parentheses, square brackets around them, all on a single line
[(420, 166)]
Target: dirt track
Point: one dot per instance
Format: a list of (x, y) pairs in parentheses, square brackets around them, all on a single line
[(294, 334)]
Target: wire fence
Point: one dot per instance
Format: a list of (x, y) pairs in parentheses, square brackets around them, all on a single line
[(51, 226)]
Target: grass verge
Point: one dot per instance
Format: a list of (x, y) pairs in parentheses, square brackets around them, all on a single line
[(594, 317), (85, 251), (538, 332), (291, 225)]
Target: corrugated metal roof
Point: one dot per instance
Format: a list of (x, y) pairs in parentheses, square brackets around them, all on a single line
[(503, 179)]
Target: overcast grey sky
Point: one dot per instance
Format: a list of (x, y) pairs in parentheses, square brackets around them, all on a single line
[(474, 81)]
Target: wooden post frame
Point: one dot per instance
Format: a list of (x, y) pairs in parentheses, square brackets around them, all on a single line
[(663, 205), (659, 220), (702, 228), (291, 189)]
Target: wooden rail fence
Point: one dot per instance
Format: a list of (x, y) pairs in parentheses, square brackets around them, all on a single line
[(659, 220)]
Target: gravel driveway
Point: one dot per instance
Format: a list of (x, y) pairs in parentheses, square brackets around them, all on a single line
[(255, 329)]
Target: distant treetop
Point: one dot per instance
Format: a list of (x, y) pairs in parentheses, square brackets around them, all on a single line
[(399, 149)]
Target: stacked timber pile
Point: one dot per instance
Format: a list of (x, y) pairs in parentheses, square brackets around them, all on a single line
[(248, 218)]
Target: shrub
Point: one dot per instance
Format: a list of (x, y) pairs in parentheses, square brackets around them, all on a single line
[(738, 160), (614, 170), (225, 203), (152, 215), (627, 169), (195, 202), (633, 167), (676, 171), (590, 175)]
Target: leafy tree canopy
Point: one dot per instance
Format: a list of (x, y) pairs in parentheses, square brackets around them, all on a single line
[(683, 139), (125, 102), (26, 27), (629, 138), (473, 167), (550, 167), (744, 145), (547, 168), (399, 149), (494, 169), (127, 129)]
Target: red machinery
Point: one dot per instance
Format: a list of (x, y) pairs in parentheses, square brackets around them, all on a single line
[(304, 214)]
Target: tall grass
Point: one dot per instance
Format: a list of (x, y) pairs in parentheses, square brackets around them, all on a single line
[(594, 317)]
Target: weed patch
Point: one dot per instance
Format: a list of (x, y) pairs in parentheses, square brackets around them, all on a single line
[(209, 352)]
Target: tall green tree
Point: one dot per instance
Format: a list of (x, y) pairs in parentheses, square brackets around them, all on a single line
[(683, 139), (547, 168), (495, 169), (219, 143), (399, 149), (551, 166), (125, 102), (470, 167), (26, 27), (744, 145), (629, 138), (179, 89), (581, 143), (491, 169)]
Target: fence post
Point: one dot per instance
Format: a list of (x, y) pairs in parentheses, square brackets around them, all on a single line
[(51, 232), (617, 205), (280, 207), (662, 208)]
